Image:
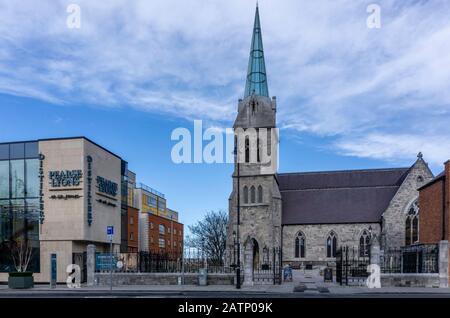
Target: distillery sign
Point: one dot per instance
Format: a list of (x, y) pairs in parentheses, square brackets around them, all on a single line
[(65, 178)]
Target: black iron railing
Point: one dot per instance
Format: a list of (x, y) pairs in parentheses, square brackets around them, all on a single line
[(351, 265), (147, 262), (418, 259)]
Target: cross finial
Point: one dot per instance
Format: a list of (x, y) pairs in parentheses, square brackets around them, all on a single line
[(420, 155)]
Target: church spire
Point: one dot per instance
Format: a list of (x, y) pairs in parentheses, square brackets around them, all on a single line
[(256, 74)]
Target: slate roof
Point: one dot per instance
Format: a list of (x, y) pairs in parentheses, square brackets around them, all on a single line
[(354, 196)]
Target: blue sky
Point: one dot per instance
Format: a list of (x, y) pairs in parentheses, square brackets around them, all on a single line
[(348, 97)]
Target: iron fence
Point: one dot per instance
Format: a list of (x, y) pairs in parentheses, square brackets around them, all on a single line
[(270, 270), (418, 259), (148, 262), (351, 265)]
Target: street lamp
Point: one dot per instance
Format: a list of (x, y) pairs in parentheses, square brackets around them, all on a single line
[(234, 248), (238, 265), (370, 240)]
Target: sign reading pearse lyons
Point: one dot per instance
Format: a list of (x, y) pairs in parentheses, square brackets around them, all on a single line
[(106, 186), (65, 178)]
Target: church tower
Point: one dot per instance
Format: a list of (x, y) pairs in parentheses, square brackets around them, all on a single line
[(255, 202)]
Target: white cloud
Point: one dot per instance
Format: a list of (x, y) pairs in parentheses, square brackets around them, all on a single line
[(333, 76), (394, 147)]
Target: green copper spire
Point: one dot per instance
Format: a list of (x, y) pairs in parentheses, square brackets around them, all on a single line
[(256, 74)]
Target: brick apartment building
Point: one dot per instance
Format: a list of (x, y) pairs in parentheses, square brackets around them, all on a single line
[(434, 217), (165, 236), (132, 225), (159, 228), (133, 229)]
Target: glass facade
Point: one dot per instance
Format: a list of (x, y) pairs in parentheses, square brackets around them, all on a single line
[(19, 202)]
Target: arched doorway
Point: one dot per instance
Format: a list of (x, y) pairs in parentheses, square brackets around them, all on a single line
[(255, 254)]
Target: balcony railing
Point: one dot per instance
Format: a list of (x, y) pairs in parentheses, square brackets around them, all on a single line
[(149, 189)]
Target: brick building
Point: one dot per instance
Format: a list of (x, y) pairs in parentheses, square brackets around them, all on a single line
[(434, 208), (164, 235), (159, 229), (133, 229), (132, 221)]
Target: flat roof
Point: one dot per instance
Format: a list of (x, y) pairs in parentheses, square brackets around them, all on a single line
[(64, 138)]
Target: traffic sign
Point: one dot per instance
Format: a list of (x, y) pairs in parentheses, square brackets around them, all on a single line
[(110, 232)]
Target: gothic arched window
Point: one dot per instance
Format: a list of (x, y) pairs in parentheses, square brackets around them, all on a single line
[(300, 245), (247, 149), (364, 244), (252, 195), (258, 158), (260, 194), (412, 224), (245, 194), (331, 245)]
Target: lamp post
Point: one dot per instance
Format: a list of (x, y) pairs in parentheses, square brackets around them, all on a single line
[(238, 265), (370, 241), (234, 248)]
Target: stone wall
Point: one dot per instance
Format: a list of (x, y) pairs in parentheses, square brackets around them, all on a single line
[(395, 215), (258, 221), (410, 280), (103, 279), (316, 237)]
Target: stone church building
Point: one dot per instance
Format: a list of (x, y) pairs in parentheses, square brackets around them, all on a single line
[(309, 215)]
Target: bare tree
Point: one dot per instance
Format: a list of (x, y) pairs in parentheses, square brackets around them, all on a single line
[(210, 234), (21, 253)]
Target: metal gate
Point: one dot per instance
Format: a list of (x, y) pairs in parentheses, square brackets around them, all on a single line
[(270, 270), (351, 266), (80, 260)]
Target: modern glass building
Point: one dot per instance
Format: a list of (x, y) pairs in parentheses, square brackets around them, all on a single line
[(57, 196), (19, 201)]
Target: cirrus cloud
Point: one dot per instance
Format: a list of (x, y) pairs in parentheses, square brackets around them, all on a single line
[(377, 93)]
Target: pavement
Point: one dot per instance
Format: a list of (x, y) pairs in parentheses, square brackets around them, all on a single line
[(305, 284)]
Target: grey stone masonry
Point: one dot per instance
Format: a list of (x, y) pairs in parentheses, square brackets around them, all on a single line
[(316, 237), (260, 220), (394, 217), (90, 265), (375, 250), (443, 264)]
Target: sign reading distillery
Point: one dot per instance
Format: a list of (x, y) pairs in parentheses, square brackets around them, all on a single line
[(65, 178)]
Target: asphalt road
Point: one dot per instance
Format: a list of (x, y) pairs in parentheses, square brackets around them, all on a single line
[(208, 294)]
